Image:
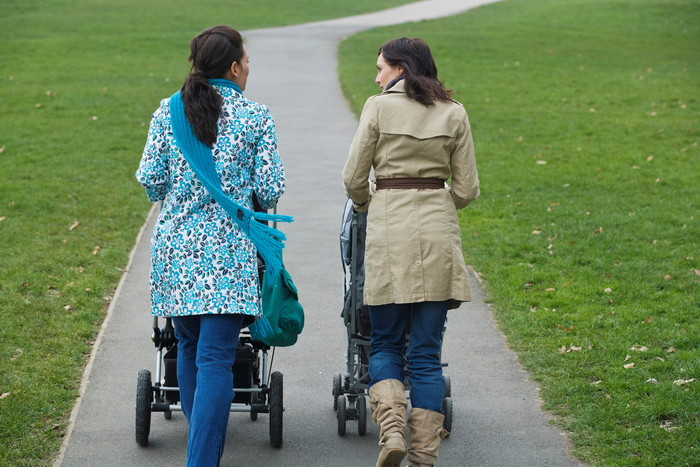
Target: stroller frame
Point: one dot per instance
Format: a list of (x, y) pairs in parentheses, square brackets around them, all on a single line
[(264, 394), (349, 391)]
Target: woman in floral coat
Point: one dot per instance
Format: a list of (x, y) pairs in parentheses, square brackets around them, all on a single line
[(204, 269)]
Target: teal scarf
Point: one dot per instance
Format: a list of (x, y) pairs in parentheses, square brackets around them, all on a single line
[(267, 240)]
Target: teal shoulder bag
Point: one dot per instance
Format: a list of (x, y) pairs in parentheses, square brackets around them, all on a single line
[(281, 307)]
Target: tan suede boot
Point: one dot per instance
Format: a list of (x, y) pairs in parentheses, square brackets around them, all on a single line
[(387, 403), (424, 436)]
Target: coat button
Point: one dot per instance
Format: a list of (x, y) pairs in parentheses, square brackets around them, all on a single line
[(418, 263)]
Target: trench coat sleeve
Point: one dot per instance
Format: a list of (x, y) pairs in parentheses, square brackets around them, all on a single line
[(359, 164), (464, 186)]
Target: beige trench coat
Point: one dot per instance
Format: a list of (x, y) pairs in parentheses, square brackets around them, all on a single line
[(413, 247)]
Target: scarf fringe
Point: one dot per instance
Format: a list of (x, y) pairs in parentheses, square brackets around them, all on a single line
[(268, 242), (265, 217)]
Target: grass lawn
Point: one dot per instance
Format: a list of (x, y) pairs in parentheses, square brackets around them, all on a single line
[(585, 115), (80, 80)]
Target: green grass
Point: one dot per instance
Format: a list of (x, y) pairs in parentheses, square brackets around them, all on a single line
[(585, 120), (80, 80)]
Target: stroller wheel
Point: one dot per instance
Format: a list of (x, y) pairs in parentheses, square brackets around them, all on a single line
[(143, 407), (276, 409), (448, 386), (168, 414), (342, 415), (337, 389), (253, 400), (447, 410), (361, 406)]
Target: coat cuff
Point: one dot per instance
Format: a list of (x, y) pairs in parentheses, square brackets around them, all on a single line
[(361, 207)]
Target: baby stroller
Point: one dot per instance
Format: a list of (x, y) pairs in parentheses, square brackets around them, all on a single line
[(256, 389), (349, 390)]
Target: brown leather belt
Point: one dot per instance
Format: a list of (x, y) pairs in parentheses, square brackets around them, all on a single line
[(410, 182)]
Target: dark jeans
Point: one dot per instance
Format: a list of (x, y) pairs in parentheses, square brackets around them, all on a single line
[(389, 324)]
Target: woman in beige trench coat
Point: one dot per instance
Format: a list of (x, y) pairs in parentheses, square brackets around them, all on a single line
[(415, 138)]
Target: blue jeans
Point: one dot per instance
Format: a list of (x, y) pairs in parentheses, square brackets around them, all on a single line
[(386, 355), (206, 351)]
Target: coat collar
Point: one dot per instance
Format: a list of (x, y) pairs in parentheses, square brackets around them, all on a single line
[(398, 87)]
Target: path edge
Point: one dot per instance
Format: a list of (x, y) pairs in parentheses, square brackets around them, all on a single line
[(98, 341)]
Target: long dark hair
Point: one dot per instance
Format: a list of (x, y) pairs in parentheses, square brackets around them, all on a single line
[(212, 52), (419, 70)]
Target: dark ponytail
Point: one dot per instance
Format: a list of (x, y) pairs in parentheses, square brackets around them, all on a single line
[(419, 70), (212, 52)]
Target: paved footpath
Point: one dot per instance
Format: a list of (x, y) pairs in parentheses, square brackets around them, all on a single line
[(497, 417)]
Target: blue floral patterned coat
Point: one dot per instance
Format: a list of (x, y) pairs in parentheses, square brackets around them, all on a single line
[(201, 262)]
